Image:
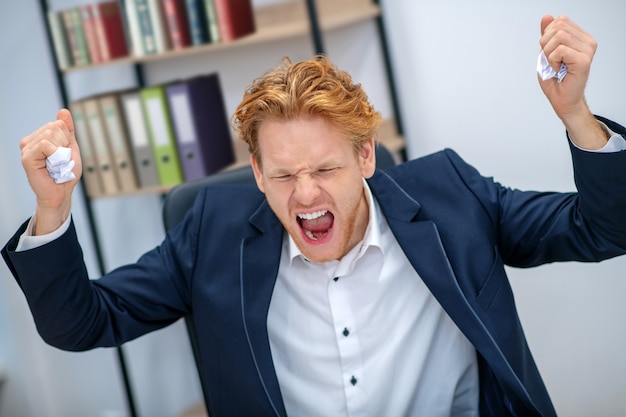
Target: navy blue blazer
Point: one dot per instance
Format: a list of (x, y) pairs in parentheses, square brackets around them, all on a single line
[(457, 228)]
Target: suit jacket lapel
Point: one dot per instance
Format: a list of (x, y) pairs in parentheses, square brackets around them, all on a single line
[(419, 239), (259, 262)]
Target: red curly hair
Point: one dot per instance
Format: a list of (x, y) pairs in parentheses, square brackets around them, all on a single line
[(315, 87)]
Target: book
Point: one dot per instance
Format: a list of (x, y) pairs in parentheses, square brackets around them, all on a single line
[(109, 30), (146, 31), (213, 29), (235, 18), (78, 52), (159, 27), (101, 147), (196, 16), (89, 29), (161, 134), (175, 14), (112, 114), (143, 155), (133, 30), (201, 125), (91, 175), (59, 40), (81, 40)]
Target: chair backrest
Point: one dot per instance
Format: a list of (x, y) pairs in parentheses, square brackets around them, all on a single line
[(179, 200)]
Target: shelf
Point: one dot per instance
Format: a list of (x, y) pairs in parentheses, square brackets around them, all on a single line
[(279, 21), (275, 22)]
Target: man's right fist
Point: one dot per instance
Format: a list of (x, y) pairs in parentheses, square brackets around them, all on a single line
[(53, 200)]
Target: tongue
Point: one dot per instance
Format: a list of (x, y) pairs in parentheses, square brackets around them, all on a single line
[(320, 225)]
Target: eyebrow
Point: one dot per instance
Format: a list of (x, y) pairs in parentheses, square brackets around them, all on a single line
[(331, 163)]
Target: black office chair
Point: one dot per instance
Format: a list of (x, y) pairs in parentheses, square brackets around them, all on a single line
[(181, 198)]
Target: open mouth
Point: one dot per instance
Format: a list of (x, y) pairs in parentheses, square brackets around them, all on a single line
[(316, 225)]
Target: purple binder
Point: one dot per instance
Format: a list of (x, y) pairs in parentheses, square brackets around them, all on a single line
[(200, 125)]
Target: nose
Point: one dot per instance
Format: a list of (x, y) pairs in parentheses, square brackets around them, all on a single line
[(306, 190)]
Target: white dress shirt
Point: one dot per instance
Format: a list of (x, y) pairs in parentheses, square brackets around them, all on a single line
[(364, 336)]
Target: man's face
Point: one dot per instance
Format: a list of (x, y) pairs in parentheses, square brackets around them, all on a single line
[(313, 181)]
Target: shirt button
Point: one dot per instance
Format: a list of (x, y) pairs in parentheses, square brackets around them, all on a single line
[(346, 332), (353, 380)]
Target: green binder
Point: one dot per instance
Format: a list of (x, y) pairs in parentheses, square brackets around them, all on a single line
[(161, 134)]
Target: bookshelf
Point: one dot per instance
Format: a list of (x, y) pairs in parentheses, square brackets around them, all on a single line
[(277, 22), (274, 22)]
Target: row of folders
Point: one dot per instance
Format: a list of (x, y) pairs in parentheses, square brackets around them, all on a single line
[(99, 32), (156, 136)]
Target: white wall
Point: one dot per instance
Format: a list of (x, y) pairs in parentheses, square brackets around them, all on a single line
[(467, 76)]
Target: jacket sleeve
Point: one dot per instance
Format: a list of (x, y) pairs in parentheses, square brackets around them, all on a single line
[(72, 312), (601, 181), (534, 228)]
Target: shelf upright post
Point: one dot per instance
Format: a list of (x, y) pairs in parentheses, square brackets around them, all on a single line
[(44, 7), (389, 70), (316, 32)]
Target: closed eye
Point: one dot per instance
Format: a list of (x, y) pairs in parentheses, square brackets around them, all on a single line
[(327, 171), (281, 178)]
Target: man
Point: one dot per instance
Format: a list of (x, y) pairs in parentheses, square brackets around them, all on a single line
[(386, 296)]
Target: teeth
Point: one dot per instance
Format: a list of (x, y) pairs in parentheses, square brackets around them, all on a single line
[(312, 216)]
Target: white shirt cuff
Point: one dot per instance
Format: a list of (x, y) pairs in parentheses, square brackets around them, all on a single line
[(28, 241), (616, 143)]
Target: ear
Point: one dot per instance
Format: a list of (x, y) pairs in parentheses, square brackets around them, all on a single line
[(367, 158), (258, 173)]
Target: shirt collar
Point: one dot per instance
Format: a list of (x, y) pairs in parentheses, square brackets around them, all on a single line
[(372, 236)]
